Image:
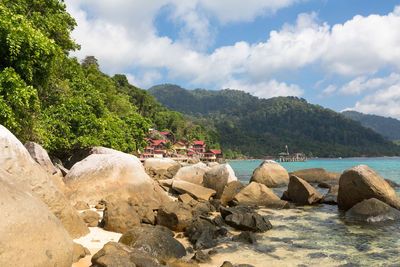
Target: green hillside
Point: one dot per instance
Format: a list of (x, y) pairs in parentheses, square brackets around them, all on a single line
[(258, 127), (50, 98), (387, 127)]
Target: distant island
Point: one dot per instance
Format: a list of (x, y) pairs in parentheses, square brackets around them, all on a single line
[(255, 127), (388, 127)]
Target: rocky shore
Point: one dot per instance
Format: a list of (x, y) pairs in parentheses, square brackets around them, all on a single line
[(108, 209)]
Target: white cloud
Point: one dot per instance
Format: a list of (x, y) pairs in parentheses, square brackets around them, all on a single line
[(268, 89), (384, 99), (144, 80), (329, 90), (122, 35), (361, 84)]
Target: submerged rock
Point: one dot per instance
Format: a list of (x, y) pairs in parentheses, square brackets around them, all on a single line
[(116, 175), (160, 169), (192, 174), (218, 177), (155, 241), (271, 174), (194, 190), (360, 183), (301, 192), (260, 195), (331, 196), (245, 237), (373, 210), (392, 183)]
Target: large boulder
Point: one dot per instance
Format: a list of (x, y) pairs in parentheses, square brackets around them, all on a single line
[(230, 191), (40, 155), (175, 215), (160, 169), (317, 175), (301, 192), (361, 182), (218, 177), (260, 195), (156, 241), (192, 174), (119, 217), (91, 217), (194, 190), (30, 235), (113, 176), (17, 161), (373, 210), (271, 174)]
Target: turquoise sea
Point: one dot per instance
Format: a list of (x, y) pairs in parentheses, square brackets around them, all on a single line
[(388, 168), (318, 235)]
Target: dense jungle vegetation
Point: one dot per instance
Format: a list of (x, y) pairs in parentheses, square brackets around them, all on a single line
[(258, 127), (48, 97)]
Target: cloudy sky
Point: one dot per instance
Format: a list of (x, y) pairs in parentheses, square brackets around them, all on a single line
[(341, 54)]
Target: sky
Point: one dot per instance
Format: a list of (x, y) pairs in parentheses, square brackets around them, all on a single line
[(340, 54)]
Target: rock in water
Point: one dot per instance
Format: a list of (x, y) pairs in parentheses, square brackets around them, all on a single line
[(361, 182), (218, 177), (331, 197), (260, 195), (194, 190), (271, 174), (192, 174), (373, 210), (161, 169), (301, 192), (30, 235), (116, 176), (16, 161), (175, 215), (317, 175), (40, 155), (155, 241)]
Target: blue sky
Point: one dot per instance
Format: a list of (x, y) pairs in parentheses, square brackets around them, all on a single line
[(341, 54)]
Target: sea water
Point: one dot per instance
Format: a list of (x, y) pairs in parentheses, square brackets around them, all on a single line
[(318, 235)]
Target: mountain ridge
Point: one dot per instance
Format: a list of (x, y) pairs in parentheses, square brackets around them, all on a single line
[(257, 127)]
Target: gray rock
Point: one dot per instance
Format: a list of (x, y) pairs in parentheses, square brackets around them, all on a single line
[(154, 241), (373, 210), (271, 174), (245, 220)]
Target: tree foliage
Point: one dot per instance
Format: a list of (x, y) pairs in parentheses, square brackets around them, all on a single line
[(259, 127)]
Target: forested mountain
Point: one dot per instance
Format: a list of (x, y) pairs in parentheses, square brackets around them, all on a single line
[(387, 127), (258, 127), (48, 97)]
